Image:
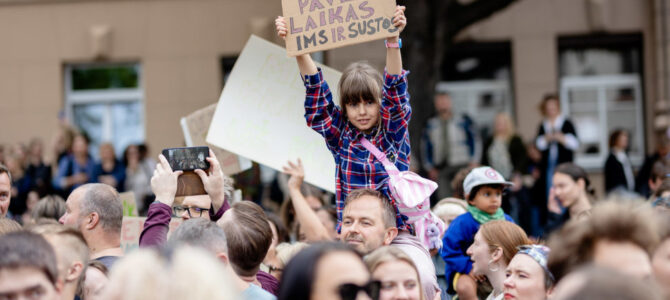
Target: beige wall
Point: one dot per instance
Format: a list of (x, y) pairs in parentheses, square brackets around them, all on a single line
[(178, 43)]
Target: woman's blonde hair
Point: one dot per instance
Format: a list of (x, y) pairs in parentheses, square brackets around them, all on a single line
[(511, 130), (359, 82), (389, 254), (185, 273)]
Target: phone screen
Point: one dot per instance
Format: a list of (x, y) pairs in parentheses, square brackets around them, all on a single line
[(187, 159)]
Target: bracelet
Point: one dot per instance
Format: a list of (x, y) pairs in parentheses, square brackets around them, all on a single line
[(393, 45)]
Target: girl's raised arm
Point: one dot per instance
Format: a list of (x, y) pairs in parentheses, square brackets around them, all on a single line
[(305, 62), (393, 58)]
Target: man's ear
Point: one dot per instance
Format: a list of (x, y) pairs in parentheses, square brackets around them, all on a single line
[(92, 220), (389, 235), (223, 257), (74, 271)]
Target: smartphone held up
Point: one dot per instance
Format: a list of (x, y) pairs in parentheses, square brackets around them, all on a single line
[(187, 160)]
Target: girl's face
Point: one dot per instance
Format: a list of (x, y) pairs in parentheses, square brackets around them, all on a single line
[(364, 115), (399, 281), (525, 279), (487, 199), (567, 190), (480, 255)]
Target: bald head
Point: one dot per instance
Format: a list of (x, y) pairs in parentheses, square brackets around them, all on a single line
[(94, 199)]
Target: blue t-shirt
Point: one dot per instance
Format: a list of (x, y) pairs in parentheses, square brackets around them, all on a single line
[(254, 292)]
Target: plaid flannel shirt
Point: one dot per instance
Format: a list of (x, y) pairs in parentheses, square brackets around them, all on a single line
[(355, 167)]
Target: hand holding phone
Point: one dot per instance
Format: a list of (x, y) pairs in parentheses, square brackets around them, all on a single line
[(188, 158), (164, 181)]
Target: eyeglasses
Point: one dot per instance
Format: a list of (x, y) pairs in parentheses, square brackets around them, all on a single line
[(193, 212), (349, 291)]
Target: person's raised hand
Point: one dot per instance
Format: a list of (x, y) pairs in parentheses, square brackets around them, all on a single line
[(212, 179), (164, 181), (297, 174), (399, 19), (280, 24)]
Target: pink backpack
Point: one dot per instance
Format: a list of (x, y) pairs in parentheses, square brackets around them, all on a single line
[(412, 194)]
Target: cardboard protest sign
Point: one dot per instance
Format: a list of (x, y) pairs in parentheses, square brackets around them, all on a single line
[(195, 127), (260, 114), (129, 204), (132, 228), (317, 25)]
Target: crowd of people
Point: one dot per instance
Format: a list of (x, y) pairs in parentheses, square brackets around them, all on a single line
[(506, 220)]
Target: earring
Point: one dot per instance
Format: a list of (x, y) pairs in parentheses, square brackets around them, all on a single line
[(493, 266)]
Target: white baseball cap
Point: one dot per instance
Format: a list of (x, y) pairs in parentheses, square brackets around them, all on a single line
[(481, 176)]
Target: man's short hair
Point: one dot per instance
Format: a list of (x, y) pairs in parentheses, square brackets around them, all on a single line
[(69, 237), (249, 237), (388, 211), (595, 282), (200, 232), (614, 220), (24, 249), (104, 200), (5, 170)]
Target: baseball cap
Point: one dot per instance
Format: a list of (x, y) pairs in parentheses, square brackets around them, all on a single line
[(481, 176)]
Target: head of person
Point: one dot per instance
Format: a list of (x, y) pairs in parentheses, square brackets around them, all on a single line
[(368, 220), (660, 260), (457, 183), (661, 197), (397, 273), (449, 208), (442, 102), (8, 225), (483, 188), (527, 274), (663, 143), (28, 267), (618, 234), (284, 253), (107, 152), (36, 148), (660, 170), (248, 235), (50, 207), (5, 190), (131, 155), (495, 244), (361, 93), (95, 281), (571, 183), (197, 206), (96, 210), (182, 273), (596, 282), (619, 140), (326, 271), (71, 252), (503, 125), (201, 233), (80, 145), (550, 107)]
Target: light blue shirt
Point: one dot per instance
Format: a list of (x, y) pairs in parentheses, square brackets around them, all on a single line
[(254, 292)]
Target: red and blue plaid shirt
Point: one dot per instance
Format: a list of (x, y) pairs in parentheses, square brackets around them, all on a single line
[(356, 167)]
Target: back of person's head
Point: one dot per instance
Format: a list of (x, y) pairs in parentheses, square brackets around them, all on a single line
[(299, 275), (360, 82), (105, 201), (23, 249), (388, 211), (249, 236), (200, 232), (8, 225), (504, 235), (576, 173), (70, 249), (457, 183), (286, 251), (181, 273), (592, 282), (49, 207), (612, 220), (448, 209)]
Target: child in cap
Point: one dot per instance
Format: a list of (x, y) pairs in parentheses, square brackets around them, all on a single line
[(483, 189), (371, 106)]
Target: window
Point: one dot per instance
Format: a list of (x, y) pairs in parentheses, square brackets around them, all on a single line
[(601, 91), (106, 102)]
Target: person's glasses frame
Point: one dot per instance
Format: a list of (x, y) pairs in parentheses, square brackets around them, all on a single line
[(349, 291), (192, 211)]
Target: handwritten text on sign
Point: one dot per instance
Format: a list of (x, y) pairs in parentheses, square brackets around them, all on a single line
[(315, 25)]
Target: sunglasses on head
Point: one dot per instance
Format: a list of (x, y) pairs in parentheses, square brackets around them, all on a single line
[(349, 291)]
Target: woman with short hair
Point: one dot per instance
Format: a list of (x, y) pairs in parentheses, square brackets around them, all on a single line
[(528, 277)]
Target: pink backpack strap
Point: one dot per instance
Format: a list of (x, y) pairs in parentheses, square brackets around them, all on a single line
[(390, 168)]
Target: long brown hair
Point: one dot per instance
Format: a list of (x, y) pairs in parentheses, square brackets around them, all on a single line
[(504, 235)]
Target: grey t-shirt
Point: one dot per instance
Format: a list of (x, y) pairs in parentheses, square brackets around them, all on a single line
[(254, 292)]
